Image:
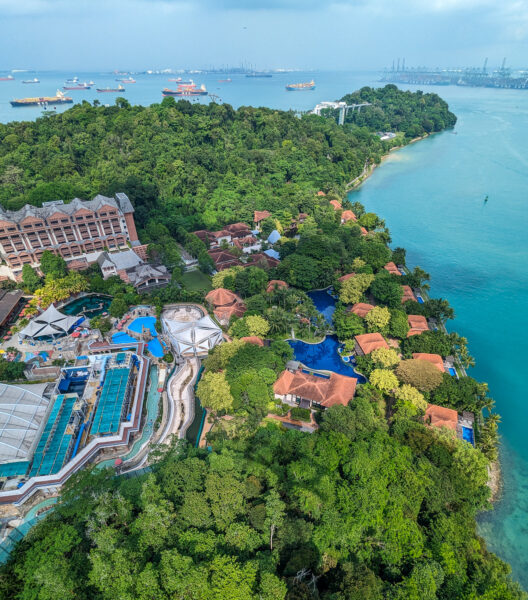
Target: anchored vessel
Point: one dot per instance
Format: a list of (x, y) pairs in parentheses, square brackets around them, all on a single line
[(119, 88), (60, 98), (295, 87), (78, 86), (8, 78), (31, 80), (186, 90)]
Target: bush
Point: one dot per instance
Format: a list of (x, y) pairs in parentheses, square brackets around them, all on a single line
[(384, 380), (300, 414), (420, 374), (168, 357)]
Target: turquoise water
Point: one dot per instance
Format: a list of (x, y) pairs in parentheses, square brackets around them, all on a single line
[(154, 346), (431, 195), (91, 306)]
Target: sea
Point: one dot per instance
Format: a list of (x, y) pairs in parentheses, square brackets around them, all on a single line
[(432, 196)]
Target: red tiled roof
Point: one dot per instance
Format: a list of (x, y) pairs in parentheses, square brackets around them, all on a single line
[(275, 284), (253, 339), (224, 313), (261, 259), (321, 193), (408, 294), (370, 341), (337, 389), (392, 268), (348, 215), (236, 227), (346, 277), (434, 359), (223, 259), (203, 234), (221, 233), (336, 204), (364, 231), (417, 324), (439, 416), (260, 215), (361, 309), (222, 297)]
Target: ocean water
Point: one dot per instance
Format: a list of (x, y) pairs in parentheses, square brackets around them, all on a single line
[(431, 195)]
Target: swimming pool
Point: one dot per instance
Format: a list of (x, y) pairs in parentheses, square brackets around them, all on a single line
[(155, 346), (324, 356), (138, 324), (90, 306), (467, 435), (324, 303), (452, 371)]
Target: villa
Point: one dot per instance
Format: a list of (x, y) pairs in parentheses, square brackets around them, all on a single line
[(439, 416), (260, 215), (253, 339), (346, 215), (434, 359), (311, 391), (225, 304), (361, 309), (346, 277), (408, 294), (368, 342), (223, 259), (247, 244), (392, 269), (276, 284), (417, 324)]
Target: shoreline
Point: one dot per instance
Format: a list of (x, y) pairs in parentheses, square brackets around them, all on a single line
[(495, 481), (368, 170)]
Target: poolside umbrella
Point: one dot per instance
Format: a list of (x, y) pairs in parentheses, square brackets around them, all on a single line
[(118, 462), (2, 351), (75, 334)]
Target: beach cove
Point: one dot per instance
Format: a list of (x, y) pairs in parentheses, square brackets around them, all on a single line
[(432, 195)]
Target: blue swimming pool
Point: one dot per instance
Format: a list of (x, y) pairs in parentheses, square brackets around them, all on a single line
[(324, 356), (148, 322), (324, 303), (452, 371), (467, 435)]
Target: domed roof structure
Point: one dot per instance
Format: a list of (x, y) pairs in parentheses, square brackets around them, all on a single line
[(191, 338)]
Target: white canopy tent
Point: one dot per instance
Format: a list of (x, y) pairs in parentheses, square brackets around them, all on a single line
[(193, 337), (51, 323)]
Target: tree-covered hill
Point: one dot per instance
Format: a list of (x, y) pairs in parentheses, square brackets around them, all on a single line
[(413, 113), (211, 164), (353, 512)]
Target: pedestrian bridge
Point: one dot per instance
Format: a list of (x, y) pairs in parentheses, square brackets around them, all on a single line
[(342, 107)]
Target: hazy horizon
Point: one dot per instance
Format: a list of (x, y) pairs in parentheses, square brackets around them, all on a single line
[(341, 35)]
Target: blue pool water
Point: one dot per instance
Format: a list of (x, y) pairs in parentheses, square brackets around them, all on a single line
[(452, 371), (323, 356), (122, 338), (467, 434), (324, 303), (147, 322)]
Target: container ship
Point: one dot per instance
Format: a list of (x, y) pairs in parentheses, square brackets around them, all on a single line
[(35, 80), (8, 78), (186, 90), (296, 87), (78, 86), (60, 98), (119, 88)]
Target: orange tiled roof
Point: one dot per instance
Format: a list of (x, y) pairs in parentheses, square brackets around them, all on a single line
[(274, 284), (338, 389), (260, 215), (392, 268), (336, 204), (321, 193), (408, 294), (370, 341), (253, 339), (348, 215), (346, 277), (224, 313), (417, 324), (434, 359), (361, 309), (364, 231), (236, 227), (439, 416), (222, 297)]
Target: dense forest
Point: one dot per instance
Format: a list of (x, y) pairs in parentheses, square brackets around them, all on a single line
[(372, 506), (192, 164)]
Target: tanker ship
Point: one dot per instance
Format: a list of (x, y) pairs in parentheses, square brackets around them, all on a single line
[(186, 90), (296, 87), (60, 98)]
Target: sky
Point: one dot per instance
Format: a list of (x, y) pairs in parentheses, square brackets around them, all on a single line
[(303, 34)]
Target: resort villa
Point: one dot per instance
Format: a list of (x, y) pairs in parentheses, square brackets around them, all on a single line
[(297, 387), (434, 359), (418, 324), (225, 304), (276, 284), (408, 294), (368, 342), (392, 269), (361, 309)]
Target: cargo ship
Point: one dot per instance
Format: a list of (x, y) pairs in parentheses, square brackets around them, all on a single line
[(60, 98), (119, 88), (295, 87), (78, 86), (129, 80), (182, 81), (8, 78), (31, 80), (186, 90)]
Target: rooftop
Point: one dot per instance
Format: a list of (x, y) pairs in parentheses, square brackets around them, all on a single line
[(417, 324), (392, 268), (439, 416), (275, 284), (253, 339), (346, 277), (260, 215), (336, 389), (361, 309), (408, 294), (222, 297), (348, 215), (370, 341), (434, 359)]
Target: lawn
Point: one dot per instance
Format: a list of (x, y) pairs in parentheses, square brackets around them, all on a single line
[(196, 281)]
